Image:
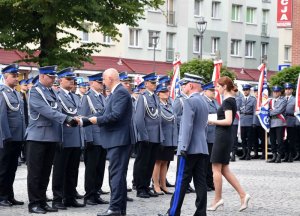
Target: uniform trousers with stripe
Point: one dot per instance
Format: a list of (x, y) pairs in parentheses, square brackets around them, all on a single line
[(8, 166), (193, 166)]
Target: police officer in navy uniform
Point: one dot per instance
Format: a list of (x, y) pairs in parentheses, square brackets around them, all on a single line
[(13, 130), (192, 148), (93, 103), (148, 123), (83, 88), (43, 134), (259, 131), (67, 155), (247, 110), (290, 142), (209, 96), (278, 123)]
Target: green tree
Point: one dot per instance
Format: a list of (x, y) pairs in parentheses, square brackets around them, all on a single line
[(41, 28), (204, 68), (286, 75)]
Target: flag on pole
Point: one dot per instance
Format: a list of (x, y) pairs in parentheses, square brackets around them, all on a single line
[(215, 77), (297, 104), (175, 78), (262, 104)]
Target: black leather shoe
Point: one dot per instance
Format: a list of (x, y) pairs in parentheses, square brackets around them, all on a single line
[(59, 205), (73, 203), (297, 156), (129, 199), (90, 201), (99, 200), (79, 196), (166, 192), (110, 213), (103, 192), (291, 159), (278, 159), (37, 210), (48, 208), (5, 203), (143, 194), (151, 194), (15, 202), (168, 184)]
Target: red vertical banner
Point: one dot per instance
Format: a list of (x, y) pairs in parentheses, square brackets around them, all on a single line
[(284, 13)]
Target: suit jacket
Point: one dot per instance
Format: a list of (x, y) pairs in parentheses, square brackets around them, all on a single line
[(178, 107), (289, 112), (192, 134), (212, 109), (149, 129), (12, 122), (92, 133), (169, 125), (45, 117), (72, 136), (247, 110), (238, 100), (116, 124), (279, 106)]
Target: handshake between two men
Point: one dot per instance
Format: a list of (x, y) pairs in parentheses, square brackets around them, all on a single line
[(80, 121)]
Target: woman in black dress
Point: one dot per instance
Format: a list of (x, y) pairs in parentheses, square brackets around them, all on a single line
[(223, 144)]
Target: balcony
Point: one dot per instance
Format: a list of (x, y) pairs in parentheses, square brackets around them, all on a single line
[(171, 18), (169, 54), (264, 30)]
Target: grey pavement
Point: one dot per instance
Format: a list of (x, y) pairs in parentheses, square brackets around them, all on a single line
[(275, 190)]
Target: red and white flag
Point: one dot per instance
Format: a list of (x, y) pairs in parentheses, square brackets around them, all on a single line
[(175, 88), (297, 104), (215, 77)]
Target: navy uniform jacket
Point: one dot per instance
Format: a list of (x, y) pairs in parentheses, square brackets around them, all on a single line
[(238, 100), (212, 109), (45, 117), (192, 134), (247, 110), (278, 107), (115, 122), (149, 128), (169, 125), (289, 112), (72, 136), (96, 108), (178, 107), (12, 114)]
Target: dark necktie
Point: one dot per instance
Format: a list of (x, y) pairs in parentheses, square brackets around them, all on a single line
[(52, 93), (71, 96), (287, 98)]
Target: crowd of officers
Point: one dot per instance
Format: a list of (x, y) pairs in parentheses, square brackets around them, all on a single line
[(38, 125)]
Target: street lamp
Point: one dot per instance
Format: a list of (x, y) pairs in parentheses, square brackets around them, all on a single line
[(155, 39), (201, 27)]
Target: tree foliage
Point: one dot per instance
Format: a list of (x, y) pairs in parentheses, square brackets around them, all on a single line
[(286, 75), (45, 28), (204, 68)]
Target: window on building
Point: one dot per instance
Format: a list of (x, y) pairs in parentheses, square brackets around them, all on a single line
[(235, 47), (134, 37), (85, 34), (264, 50), (170, 47), (214, 44), (107, 39), (154, 38), (249, 48), (215, 10), (287, 53), (236, 13), (250, 16), (196, 44), (198, 7)]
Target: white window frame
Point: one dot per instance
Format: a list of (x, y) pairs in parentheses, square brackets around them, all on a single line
[(107, 40), (196, 40), (236, 45), (215, 9), (287, 53), (264, 49), (215, 43), (85, 35), (252, 12), (136, 38), (159, 39), (249, 49), (198, 12), (236, 11)]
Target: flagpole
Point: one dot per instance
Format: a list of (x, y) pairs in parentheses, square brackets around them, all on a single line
[(266, 146)]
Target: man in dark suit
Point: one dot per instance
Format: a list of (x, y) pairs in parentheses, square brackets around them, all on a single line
[(116, 128)]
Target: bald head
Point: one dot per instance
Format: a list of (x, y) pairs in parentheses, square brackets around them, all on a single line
[(111, 78)]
